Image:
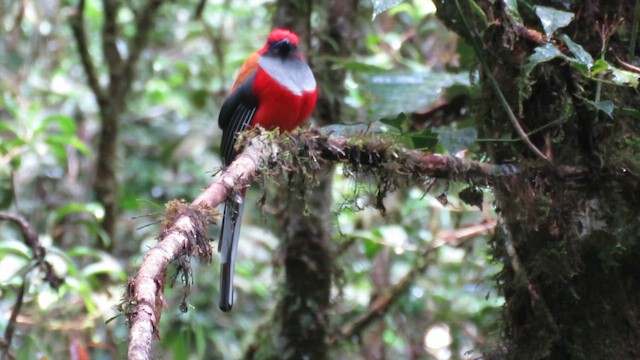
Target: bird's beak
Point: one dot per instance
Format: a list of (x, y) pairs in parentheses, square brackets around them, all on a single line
[(284, 43)]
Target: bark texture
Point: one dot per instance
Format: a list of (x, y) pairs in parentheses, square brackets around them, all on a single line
[(111, 98), (307, 245), (569, 246)]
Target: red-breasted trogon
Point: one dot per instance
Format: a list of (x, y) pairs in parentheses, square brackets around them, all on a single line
[(275, 88)]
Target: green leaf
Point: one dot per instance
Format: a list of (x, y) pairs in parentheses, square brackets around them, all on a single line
[(456, 140), (104, 267), (424, 140), (371, 247), (6, 126), (92, 208), (393, 92), (512, 6), (553, 19), (582, 56), (82, 251), (76, 143), (353, 65), (610, 74), (380, 6), (65, 123), (599, 66), (15, 247), (543, 54), (634, 113), (599, 70), (6, 188), (199, 98), (399, 122), (606, 106)]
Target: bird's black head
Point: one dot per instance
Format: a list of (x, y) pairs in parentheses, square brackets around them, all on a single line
[(281, 42), (282, 48)]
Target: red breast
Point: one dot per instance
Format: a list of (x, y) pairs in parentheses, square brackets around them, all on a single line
[(284, 85), (286, 93)]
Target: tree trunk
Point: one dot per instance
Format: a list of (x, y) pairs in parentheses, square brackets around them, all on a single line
[(302, 311), (569, 247), (111, 98)]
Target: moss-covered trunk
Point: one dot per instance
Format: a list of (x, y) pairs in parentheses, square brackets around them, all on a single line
[(301, 320), (569, 246)]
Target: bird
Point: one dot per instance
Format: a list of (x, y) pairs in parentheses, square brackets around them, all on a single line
[(275, 89)]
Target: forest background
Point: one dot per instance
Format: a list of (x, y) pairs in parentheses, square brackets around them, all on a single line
[(109, 111)]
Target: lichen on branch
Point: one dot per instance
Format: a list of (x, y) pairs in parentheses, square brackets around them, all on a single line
[(305, 152)]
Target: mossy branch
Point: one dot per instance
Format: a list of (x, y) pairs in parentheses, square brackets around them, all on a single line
[(307, 152)]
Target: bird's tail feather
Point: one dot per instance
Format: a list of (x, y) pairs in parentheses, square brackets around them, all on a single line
[(228, 246)]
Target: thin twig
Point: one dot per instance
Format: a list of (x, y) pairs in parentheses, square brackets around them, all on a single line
[(110, 32), (39, 252), (626, 65), (380, 306), (144, 25), (30, 237), (11, 325), (79, 32)]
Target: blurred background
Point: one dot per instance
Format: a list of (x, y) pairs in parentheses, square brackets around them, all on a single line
[(405, 75)]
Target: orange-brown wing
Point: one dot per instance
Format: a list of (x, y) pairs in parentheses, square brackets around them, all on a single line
[(249, 67)]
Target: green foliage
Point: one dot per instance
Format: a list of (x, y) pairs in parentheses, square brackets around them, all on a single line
[(553, 19), (599, 70)]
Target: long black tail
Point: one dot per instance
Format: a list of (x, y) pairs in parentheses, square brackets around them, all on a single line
[(228, 246)]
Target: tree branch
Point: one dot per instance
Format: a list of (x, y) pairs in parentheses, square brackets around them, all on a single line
[(379, 306), (144, 24), (30, 237), (109, 39), (76, 21), (121, 75), (39, 252), (266, 154)]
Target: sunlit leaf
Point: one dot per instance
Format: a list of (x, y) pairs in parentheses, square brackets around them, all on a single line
[(392, 93), (553, 19), (83, 289), (599, 70), (371, 247), (14, 247), (95, 209), (613, 75), (599, 66), (354, 65), (8, 127), (543, 54), (80, 251), (606, 106), (79, 145), (582, 56), (380, 6), (104, 267), (58, 255), (65, 123)]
